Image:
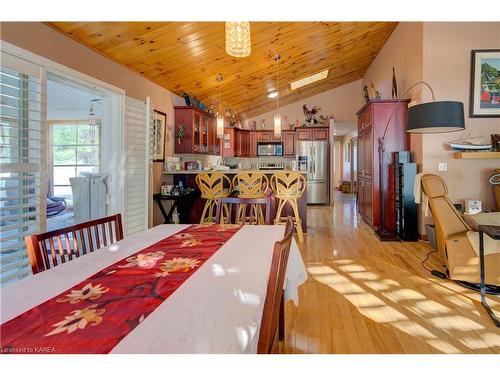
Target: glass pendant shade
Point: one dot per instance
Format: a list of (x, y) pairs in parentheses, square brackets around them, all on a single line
[(238, 39), (277, 125), (220, 126)]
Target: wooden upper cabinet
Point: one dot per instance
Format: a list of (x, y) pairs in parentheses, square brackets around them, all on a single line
[(242, 140), (253, 144), (303, 134), (264, 136), (320, 134), (275, 137), (288, 143), (198, 127), (312, 134), (213, 141)]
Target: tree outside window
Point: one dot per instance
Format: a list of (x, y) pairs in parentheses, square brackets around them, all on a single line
[(73, 155)]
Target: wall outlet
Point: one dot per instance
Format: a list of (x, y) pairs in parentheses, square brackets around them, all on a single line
[(443, 167)]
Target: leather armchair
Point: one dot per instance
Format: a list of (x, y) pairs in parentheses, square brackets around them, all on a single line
[(454, 247)]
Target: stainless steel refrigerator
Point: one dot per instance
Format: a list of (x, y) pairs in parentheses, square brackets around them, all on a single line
[(313, 157)]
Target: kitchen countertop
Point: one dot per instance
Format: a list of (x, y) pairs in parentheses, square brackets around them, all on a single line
[(231, 171)]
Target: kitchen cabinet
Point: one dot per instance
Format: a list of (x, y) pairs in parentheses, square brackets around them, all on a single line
[(199, 128), (372, 119), (268, 136), (288, 143), (264, 136), (242, 146), (253, 144), (213, 141), (303, 134), (320, 134), (312, 134)]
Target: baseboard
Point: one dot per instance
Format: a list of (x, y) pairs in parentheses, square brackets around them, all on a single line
[(423, 237)]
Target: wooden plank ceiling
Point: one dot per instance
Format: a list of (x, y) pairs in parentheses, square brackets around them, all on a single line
[(188, 56)]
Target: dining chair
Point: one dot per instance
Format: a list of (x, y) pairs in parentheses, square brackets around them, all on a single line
[(251, 211), (212, 188), (288, 187), (272, 328), (47, 250), (250, 185)]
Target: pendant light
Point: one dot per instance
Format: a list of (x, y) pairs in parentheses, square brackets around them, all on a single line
[(238, 42), (277, 116), (220, 115)]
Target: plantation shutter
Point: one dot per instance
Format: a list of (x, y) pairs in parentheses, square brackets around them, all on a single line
[(22, 162), (136, 151)]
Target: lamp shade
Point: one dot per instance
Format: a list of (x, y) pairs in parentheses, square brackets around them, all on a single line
[(277, 125), (220, 126), (436, 117)]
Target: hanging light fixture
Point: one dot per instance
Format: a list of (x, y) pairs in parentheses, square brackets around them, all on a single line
[(94, 123), (238, 42), (220, 115), (277, 116)]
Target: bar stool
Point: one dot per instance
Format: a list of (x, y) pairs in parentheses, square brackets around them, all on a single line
[(288, 187), (211, 186), (250, 185)]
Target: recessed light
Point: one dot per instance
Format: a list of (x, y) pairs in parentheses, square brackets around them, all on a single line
[(272, 94), (308, 80)]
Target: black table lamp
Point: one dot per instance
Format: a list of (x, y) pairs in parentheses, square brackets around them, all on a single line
[(425, 118)]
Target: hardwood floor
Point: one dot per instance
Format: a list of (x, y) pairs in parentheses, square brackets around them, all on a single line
[(365, 296)]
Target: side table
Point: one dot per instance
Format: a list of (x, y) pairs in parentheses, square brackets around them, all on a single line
[(494, 232)]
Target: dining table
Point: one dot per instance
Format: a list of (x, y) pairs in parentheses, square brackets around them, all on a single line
[(217, 309)]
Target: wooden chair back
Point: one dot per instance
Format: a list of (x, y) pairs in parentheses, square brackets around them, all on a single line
[(288, 185), (211, 185), (244, 211), (273, 323), (47, 250), (251, 184)]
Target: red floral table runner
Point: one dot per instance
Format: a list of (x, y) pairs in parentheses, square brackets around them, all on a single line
[(96, 314)]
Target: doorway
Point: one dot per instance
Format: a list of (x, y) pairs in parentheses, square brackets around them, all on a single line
[(84, 149)]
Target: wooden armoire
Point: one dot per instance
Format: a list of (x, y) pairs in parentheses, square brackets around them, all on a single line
[(372, 119)]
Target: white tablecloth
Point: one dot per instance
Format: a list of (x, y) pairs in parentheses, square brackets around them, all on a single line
[(217, 310)]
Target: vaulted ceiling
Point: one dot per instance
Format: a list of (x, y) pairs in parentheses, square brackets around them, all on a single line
[(188, 56)]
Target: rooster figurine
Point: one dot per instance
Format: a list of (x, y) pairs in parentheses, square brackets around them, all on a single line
[(311, 114)]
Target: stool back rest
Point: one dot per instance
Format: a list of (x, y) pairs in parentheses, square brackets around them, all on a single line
[(250, 210), (211, 185), (288, 185), (251, 184)]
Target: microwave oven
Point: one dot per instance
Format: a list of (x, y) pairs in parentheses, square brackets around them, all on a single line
[(270, 149)]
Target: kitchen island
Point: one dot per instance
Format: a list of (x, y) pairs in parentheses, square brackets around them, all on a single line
[(187, 177)]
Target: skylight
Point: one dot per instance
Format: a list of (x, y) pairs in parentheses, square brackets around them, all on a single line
[(308, 80)]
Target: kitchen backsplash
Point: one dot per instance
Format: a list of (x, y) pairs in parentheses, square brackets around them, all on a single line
[(211, 160)]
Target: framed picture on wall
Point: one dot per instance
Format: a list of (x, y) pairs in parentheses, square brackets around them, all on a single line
[(157, 135), (485, 83)]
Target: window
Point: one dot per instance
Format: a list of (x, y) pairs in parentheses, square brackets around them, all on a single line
[(74, 154)]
